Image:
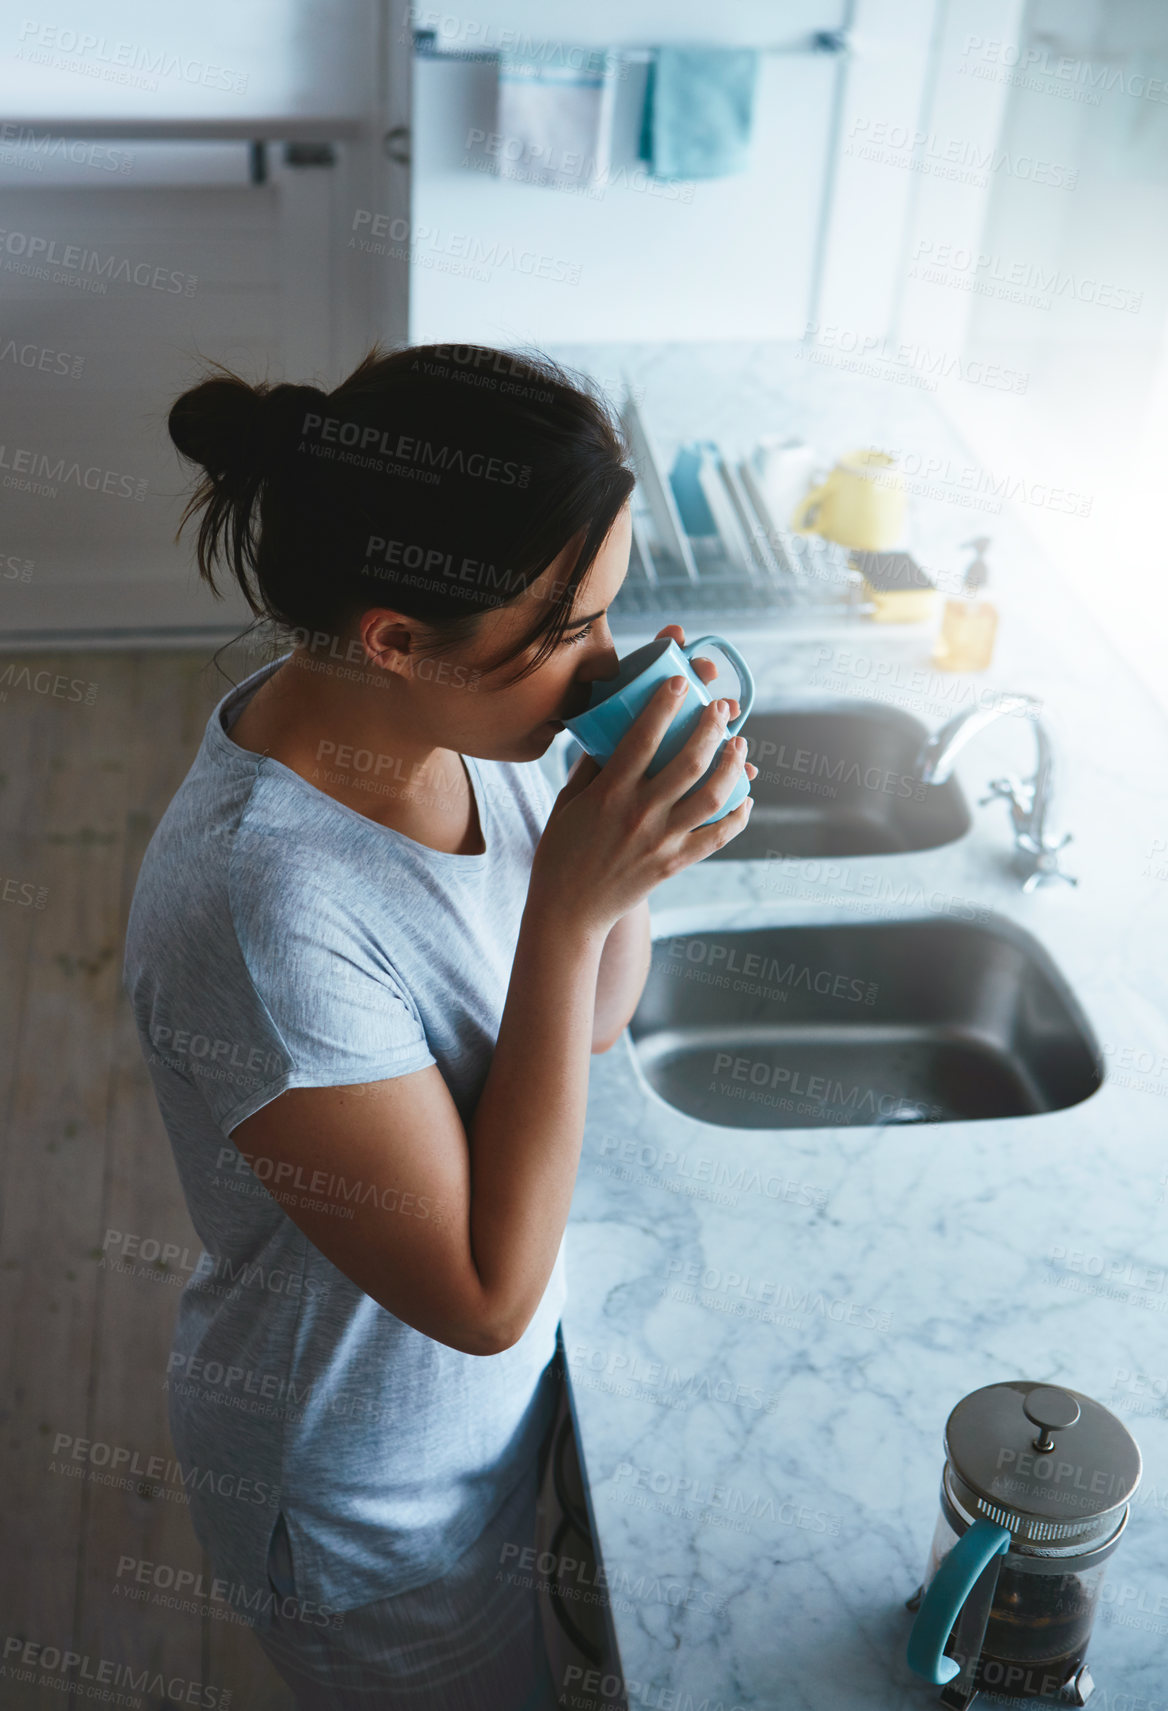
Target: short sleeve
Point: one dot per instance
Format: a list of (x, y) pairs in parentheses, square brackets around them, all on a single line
[(337, 1012)]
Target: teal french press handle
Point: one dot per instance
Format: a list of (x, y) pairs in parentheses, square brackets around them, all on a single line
[(948, 1590), (745, 680)]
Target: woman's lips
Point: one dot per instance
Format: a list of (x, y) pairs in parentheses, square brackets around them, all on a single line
[(561, 724)]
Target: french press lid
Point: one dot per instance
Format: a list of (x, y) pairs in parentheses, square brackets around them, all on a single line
[(1046, 1463)]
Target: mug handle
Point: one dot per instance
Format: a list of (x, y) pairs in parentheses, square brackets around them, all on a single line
[(745, 680), (948, 1590)]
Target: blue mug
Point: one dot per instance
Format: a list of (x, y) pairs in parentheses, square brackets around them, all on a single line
[(616, 702)]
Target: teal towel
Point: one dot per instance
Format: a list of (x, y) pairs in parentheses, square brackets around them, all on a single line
[(699, 103)]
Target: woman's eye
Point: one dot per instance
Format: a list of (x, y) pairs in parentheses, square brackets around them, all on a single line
[(579, 636)]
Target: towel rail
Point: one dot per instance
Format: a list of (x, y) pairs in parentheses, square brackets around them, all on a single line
[(426, 46)]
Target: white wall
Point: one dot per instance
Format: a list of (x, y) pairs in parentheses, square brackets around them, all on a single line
[(1107, 232), (734, 258), (1073, 300), (963, 124), (873, 192)]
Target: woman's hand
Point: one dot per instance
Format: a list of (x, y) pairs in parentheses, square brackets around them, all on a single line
[(585, 769), (707, 671), (614, 832)]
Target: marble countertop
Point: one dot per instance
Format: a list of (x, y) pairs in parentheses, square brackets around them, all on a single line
[(766, 1329)]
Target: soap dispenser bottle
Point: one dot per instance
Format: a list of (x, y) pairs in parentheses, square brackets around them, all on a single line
[(969, 622)]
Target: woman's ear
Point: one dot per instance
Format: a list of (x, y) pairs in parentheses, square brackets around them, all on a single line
[(388, 639)]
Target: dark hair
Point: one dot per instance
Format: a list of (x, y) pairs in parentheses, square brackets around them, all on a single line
[(429, 476)]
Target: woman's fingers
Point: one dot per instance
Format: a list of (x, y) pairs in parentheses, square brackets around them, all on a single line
[(583, 772), (705, 668), (708, 671)]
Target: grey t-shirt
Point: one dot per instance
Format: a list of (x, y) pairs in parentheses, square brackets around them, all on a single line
[(278, 939)]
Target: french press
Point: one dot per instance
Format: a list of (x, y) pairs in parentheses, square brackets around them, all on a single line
[(1034, 1498)]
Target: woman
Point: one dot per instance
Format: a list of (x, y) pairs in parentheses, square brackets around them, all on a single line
[(369, 957)]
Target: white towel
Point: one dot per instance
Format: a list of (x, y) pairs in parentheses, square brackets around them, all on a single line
[(555, 121)]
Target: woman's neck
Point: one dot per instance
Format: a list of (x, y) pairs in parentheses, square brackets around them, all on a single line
[(334, 735)]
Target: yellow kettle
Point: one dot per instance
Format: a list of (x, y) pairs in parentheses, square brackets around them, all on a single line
[(861, 504)]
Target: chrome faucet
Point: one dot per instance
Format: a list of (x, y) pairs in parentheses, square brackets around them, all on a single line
[(1029, 800)]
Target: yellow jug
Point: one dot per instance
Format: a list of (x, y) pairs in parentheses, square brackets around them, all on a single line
[(861, 504)]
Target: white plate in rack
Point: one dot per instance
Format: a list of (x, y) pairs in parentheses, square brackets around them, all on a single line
[(668, 527), (734, 538)]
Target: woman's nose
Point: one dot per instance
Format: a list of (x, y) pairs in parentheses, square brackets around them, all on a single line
[(601, 666)]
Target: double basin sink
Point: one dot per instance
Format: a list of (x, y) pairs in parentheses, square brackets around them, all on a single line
[(857, 1024)]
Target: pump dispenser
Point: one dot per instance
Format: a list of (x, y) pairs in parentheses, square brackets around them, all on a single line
[(969, 622)]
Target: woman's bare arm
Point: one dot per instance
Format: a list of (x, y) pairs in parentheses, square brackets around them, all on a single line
[(452, 1229), (624, 968)]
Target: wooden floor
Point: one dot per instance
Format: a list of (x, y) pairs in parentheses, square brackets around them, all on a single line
[(85, 773)]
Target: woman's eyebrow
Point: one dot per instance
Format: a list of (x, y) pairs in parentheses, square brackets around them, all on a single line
[(576, 622)]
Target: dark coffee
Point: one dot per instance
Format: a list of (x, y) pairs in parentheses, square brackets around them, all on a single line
[(1037, 1633), (1036, 1617), (1007, 1678)]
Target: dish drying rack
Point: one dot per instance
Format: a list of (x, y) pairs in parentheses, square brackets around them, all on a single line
[(750, 569)]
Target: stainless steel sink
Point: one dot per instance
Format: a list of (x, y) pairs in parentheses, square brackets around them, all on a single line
[(840, 779), (854, 1024)]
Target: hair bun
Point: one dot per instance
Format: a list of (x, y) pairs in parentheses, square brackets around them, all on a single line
[(217, 424), (234, 429)]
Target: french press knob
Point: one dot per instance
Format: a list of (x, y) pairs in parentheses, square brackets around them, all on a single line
[(1034, 1498)]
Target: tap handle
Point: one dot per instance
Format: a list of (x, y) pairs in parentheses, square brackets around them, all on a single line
[(1046, 864), (1010, 788), (1039, 875)]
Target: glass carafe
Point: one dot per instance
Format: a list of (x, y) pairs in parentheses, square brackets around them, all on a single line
[(1027, 1524)]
